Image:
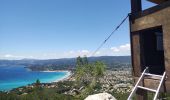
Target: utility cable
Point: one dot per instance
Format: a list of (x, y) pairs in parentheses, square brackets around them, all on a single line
[(101, 45)]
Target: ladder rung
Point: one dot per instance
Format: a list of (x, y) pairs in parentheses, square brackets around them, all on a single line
[(160, 76), (145, 88)]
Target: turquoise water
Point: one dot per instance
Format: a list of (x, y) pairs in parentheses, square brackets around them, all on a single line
[(16, 76)]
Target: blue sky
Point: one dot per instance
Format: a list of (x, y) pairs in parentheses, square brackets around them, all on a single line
[(48, 29)]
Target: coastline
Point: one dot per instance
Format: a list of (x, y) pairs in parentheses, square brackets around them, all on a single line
[(56, 71), (66, 77)]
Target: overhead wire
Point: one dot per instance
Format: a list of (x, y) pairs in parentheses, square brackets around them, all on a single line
[(101, 45)]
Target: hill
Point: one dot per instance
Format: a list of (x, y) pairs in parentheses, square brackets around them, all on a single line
[(66, 63)]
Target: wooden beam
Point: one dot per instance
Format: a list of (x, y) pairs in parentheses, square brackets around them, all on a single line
[(157, 1), (136, 6)]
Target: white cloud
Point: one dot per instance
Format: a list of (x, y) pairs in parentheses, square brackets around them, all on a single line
[(31, 57), (10, 56), (14, 57), (85, 51), (76, 53), (125, 47), (71, 52), (115, 49), (121, 50), (97, 52)]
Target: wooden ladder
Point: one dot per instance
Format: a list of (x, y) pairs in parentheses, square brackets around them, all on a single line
[(156, 91)]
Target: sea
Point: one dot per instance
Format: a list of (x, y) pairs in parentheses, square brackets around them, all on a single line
[(17, 76)]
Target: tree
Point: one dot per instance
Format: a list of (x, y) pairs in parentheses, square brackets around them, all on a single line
[(79, 62), (99, 69), (37, 82), (88, 74), (85, 60), (86, 71), (83, 70), (37, 85)]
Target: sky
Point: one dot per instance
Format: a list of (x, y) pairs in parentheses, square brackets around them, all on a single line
[(52, 29)]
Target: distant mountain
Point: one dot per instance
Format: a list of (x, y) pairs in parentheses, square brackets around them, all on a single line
[(114, 59), (110, 61)]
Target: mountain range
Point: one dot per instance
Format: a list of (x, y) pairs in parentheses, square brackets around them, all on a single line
[(110, 61)]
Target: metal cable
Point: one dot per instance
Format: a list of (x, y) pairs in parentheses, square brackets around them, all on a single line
[(101, 45)]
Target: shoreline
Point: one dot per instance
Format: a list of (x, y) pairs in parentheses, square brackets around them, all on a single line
[(56, 71), (65, 77)]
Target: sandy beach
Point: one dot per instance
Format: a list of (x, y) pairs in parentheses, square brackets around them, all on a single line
[(67, 76), (56, 71)]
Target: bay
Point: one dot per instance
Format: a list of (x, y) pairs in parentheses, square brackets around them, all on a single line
[(17, 76)]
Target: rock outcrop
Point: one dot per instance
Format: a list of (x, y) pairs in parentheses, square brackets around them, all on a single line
[(100, 96)]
